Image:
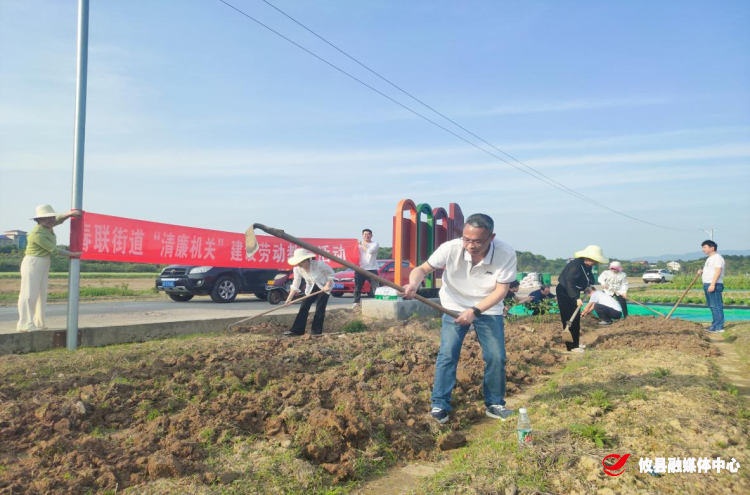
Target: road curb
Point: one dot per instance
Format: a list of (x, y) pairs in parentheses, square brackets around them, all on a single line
[(45, 340)]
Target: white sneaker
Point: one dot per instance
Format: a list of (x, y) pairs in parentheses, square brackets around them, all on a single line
[(581, 346), (356, 305), (577, 350)]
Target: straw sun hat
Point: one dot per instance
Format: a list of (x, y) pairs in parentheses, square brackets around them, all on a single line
[(593, 253), (300, 255), (44, 211)]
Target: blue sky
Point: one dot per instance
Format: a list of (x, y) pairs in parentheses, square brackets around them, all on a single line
[(198, 116)]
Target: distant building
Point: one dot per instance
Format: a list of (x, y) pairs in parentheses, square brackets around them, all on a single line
[(5, 240), (674, 266), (17, 237), (640, 262)]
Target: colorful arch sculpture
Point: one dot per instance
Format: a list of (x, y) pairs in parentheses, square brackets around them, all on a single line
[(414, 239)]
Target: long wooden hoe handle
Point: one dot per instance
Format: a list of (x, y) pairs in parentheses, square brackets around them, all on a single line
[(273, 309), (640, 304), (683, 295), (283, 235)]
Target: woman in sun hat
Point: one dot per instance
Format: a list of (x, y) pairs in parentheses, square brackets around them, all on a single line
[(574, 278), (318, 278), (41, 243), (614, 283)]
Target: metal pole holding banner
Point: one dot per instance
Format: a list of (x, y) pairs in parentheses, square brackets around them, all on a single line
[(79, 139)]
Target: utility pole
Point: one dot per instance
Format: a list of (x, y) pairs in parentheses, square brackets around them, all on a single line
[(709, 232), (74, 274)]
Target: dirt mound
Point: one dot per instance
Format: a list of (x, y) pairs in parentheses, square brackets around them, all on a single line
[(656, 333), (335, 399)]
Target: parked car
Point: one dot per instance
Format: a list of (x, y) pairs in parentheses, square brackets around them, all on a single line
[(181, 283), (658, 276), (344, 281)]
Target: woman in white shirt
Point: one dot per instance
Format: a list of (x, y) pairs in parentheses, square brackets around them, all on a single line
[(318, 278)]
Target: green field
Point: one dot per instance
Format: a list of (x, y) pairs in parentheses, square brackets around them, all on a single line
[(63, 275), (683, 281)]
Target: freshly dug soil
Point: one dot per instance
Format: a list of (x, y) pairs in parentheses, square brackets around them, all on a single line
[(97, 427)]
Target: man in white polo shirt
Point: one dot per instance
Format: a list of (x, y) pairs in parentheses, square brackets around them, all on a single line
[(713, 285), (368, 259), (606, 306), (477, 272)]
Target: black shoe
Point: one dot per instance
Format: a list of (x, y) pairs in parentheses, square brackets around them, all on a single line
[(317, 334), (440, 415), (289, 333)]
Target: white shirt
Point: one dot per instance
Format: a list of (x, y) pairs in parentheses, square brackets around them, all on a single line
[(605, 300), (368, 257), (614, 281), (319, 275), (465, 285), (709, 269)]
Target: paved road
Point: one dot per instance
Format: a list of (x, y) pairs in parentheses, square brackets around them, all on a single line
[(97, 314)]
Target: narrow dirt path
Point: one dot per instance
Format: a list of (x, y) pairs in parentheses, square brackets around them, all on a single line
[(730, 364)]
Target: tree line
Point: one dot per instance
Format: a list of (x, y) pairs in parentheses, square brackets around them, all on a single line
[(11, 257)]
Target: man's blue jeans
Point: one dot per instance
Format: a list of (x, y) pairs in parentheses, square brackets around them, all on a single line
[(491, 335), (716, 303)]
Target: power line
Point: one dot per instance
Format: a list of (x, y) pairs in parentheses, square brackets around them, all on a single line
[(539, 175)]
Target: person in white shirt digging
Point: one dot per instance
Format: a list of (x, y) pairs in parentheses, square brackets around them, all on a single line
[(606, 306), (318, 278)]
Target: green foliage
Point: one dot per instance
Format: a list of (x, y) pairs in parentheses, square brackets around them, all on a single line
[(682, 282), (600, 398), (637, 394), (355, 326), (385, 253), (87, 275), (595, 432), (11, 262), (661, 372)]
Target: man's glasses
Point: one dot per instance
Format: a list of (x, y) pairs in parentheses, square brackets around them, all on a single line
[(474, 242)]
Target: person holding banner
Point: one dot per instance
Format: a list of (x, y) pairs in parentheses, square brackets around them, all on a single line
[(318, 278), (41, 244), (368, 259)]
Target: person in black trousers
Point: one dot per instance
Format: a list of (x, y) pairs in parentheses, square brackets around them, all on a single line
[(574, 278), (318, 278)]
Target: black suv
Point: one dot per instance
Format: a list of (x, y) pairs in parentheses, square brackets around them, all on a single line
[(181, 283)]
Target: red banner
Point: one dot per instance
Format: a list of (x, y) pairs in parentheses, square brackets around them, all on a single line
[(108, 238)]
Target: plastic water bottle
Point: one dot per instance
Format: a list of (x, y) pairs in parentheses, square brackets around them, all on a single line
[(524, 428)]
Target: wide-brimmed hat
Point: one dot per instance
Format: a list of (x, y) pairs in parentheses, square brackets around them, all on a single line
[(300, 255), (593, 253), (615, 265), (44, 211)]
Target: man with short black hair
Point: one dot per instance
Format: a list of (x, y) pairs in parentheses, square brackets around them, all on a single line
[(368, 259), (477, 272), (537, 298), (713, 284)]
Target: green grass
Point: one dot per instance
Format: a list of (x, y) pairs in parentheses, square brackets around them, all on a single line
[(121, 290), (683, 281), (93, 275), (738, 334), (661, 373), (594, 432), (355, 326), (600, 398)]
